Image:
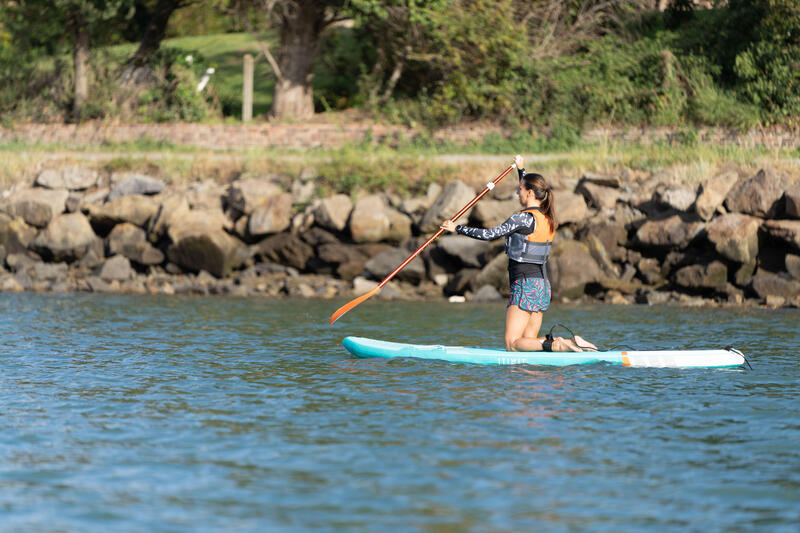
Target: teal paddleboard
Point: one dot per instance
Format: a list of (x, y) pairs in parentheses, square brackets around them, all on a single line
[(363, 347)]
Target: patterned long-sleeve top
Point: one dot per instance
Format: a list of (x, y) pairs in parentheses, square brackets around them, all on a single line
[(514, 223)]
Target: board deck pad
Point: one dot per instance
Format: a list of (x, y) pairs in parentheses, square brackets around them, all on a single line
[(365, 348)]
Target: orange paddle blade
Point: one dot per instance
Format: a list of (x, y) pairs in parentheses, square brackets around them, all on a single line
[(349, 305)]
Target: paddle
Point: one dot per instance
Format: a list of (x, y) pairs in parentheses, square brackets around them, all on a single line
[(350, 305)]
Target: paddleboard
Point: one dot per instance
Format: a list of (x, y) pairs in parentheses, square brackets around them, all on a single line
[(363, 347)]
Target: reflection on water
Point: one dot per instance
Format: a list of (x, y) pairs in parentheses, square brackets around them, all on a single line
[(196, 414)]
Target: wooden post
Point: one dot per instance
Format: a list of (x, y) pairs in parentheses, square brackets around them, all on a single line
[(247, 89)]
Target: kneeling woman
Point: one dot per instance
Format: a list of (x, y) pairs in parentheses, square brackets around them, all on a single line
[(529, 236)]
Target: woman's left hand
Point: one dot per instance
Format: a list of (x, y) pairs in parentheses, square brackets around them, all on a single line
[(448, 225)]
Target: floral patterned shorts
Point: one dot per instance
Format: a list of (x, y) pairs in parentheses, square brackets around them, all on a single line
[(530, 294)]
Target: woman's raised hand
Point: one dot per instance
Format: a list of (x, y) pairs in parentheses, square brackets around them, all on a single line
[(518, 161)]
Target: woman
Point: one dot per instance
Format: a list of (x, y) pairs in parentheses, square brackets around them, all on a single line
[(529, 235)]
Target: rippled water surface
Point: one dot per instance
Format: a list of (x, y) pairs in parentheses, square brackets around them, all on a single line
[(191, 414)]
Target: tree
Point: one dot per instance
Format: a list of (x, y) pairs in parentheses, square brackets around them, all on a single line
[(39, 23), (300, 24)]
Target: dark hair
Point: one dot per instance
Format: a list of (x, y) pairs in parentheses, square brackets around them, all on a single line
[(543, 193)]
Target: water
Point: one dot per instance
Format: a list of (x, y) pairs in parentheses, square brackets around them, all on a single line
[(193, 414)]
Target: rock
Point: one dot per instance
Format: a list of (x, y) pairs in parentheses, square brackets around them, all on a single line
[(68, 237), (775, 301), (652, 297), (384, 263), (620, 286), (611, 233), (487, 293), (318, 236), (302, 191), (793, 266), (115, 268), (698, 277), (399, 225), (712, 193), (49, 271), (735, 236), (171, 209), (462, 281), (72, 178), (449, 202), (571, 267), (95, 195), (605, 180), (614, 297), (600, 255), (679, 198), (97, 284), (744, 274), (134, 208), (205, 195), (10, 284), (131, 241), (126, 183), (466, 251), (597, 196), (495, 273), (490, 213), (15, 234), (792, 195), (333, 212), (768, 283), (440, 280), (285, 249), (785, 231), (363, 285), (677, 231), (37, 206), (759, 195), (19, 262), (245, 195), (73, 203), (200, 243), (368, 220), (416, 207), (650, 271), (570, 208), (273, 215)]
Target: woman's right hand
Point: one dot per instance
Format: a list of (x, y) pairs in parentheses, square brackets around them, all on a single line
[(448, 225), (518, 161)]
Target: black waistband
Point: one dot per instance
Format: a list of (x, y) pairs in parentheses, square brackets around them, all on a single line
[(517, 270)]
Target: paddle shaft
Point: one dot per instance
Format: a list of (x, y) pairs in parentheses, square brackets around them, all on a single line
[(485, 190), (350, 305)]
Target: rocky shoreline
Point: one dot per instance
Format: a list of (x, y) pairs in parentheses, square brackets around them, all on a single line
[(643, 238)]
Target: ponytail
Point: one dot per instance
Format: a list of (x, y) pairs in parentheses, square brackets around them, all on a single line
[(543, 193)]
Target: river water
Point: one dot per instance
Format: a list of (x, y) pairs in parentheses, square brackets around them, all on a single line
[(208, 414)]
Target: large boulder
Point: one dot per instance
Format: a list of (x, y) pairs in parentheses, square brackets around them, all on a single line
[(171, 209), (793, 266), (36, 206), (677, 197), (786, 231), (369, 221), (490, 213), (770, 284), (735, 236), (610, 232), (676, 231), (450, 201), (570, 207), (793, 201), (598, 196), (333, 212), (200, 243), (285, 249), (15, 234), (245, 195), (273, 215), (571, 267), (68, 237), (386, 262), (495, 274), (125, 183), (713, 276), (73, 178), (711, 193), (466, 251), (134, 208), (759, 195), (115, 268), (131, 241), (204, 195)]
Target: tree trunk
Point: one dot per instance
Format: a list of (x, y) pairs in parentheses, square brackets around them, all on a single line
[(138, 65), (81, 59), (300, 30)]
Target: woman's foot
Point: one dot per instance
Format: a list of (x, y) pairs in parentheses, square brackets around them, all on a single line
[(560, 344), (584, 344)]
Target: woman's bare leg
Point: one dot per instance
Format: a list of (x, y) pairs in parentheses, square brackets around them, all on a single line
[(517, 323)]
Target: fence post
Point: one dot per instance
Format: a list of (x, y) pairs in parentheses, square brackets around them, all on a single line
[(247, 89)]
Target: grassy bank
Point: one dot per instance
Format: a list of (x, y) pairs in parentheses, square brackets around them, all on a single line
[(405, 167)]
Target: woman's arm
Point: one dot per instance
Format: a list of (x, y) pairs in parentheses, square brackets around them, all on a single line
[(514, 222)]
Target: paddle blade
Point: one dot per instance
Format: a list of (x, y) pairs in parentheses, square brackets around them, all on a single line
[(349, 305)]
